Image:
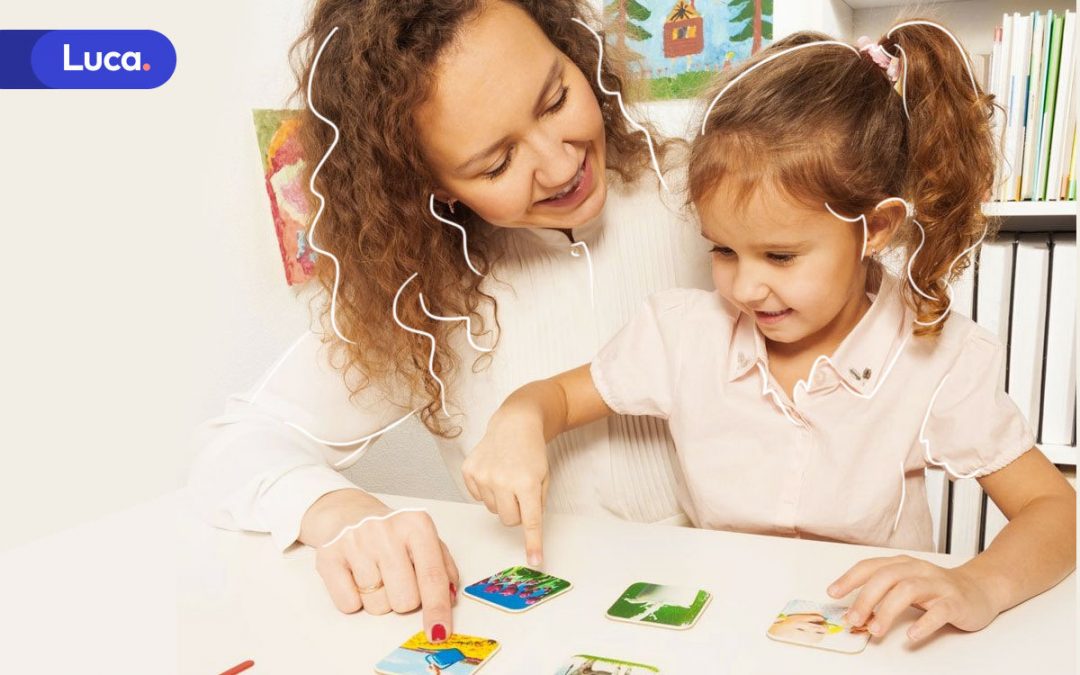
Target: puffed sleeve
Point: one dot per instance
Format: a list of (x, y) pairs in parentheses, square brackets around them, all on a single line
[(972, 427), (280, 446), (635, 372)]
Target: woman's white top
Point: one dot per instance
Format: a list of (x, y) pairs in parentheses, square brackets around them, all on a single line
[(281, 445)]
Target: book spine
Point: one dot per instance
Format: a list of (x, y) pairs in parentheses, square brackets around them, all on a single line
[(1046, 129)]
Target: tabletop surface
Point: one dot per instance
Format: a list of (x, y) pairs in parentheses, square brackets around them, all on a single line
[(155, 590)]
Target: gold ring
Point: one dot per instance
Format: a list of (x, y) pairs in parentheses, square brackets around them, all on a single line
[(370, 589)]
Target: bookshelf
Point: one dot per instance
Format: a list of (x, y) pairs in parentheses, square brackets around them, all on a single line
[(974, 22)]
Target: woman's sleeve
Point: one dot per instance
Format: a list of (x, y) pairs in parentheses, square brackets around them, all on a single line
[(280, 446), (635, 371), (972, 428)]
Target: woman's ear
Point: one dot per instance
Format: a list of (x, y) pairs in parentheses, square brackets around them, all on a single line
[(884, 223)]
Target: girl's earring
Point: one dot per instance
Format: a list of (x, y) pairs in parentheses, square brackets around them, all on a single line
[(450, 204)]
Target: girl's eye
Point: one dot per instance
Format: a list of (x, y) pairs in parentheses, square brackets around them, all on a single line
[(782, 258), (557, 106), (722, 251), (498, 171)]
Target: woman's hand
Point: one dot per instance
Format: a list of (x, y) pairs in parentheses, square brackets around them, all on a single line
[(508, 471), (891, 585), (395, 563)]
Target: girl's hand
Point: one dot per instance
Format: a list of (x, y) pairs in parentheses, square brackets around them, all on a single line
[(891, 585), (392, 564), (508, 471)]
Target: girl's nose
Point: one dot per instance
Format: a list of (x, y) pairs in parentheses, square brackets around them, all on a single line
[(748, 289)]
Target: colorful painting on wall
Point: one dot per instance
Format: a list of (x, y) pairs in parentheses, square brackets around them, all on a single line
[(283, 169), (680, 45)]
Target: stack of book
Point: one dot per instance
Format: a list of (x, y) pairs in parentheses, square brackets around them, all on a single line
[(1025, 293), (1033, 76)]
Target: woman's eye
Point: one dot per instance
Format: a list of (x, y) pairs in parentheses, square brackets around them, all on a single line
[(722, 251), (498, 171), (557, 106)]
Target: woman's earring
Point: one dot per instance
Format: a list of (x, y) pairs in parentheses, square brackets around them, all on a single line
[(450, 204)]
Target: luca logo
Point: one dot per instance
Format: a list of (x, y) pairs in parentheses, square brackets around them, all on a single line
[(85, 59)]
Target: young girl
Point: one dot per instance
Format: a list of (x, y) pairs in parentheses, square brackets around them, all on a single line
[(808, 395)]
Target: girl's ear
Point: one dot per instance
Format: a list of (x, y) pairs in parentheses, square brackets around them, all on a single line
[(884, 223), (441, 195)]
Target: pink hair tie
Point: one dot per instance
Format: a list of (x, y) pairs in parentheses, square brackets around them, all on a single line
[(890, 64)]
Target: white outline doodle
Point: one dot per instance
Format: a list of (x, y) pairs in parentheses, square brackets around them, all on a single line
[(322, 200), (903, 495), (354, 456), (622, 107), (467, 320), (926, 443), (865, 230), (370, 518), (429, 336), (762, 62), (588, 263), (464, 237), (862, 217), (948, 286)]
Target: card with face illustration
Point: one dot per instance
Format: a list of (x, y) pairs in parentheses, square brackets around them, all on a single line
[(517, 589), (814, 624), (659, 605), (459, 655), (587, 664)]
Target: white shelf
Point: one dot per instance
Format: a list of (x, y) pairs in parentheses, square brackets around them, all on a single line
[(1031, 209), (1063, 455), (1034, 216)]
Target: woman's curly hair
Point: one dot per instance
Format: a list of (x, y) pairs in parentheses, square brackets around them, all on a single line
[(371, 77)]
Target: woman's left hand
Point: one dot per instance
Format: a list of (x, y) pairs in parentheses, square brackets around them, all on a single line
[(891, 585)]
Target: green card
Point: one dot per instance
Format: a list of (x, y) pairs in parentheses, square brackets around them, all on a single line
[(667, 606)]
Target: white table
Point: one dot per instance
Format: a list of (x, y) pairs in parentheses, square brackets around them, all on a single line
[(102, 599)]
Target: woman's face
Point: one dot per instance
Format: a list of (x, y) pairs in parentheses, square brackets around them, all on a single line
[(513, 129)]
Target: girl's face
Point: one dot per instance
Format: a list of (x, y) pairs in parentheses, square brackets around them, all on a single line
[(796, 270), (513, 129)]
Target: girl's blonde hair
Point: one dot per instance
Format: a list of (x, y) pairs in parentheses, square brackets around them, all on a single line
[(371, 77), (826, 125)]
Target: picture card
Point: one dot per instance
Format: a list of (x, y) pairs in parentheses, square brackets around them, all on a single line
[(457, 655), (676, 607), (587, 664), (813, 624), (517, 589)]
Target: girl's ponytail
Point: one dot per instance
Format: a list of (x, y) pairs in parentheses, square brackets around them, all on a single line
[(950, 168)]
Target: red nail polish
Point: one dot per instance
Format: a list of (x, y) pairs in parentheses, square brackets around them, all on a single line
[(438, 633), (453, 590)]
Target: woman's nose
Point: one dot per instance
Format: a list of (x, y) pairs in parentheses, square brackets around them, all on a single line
[(557, 163)]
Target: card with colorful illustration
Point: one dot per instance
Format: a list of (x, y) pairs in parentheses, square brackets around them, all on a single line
[(587, 664), (658, 605), (517, 589), (458, 655), (814, 624)]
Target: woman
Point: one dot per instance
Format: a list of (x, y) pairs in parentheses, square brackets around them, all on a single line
[(477, 117)]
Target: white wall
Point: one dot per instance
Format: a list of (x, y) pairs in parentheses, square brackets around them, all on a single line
[(144, 280)]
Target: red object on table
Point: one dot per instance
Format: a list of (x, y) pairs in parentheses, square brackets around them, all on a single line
[(239, 668)]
